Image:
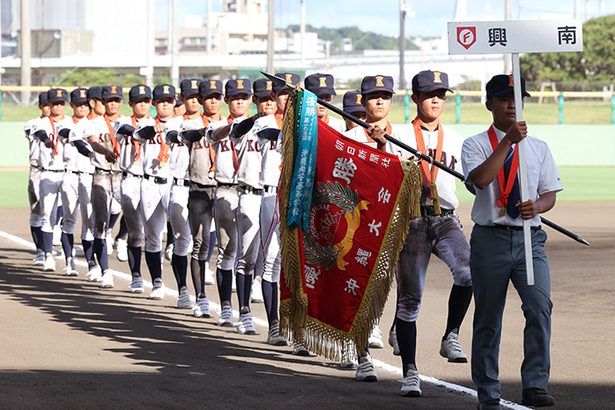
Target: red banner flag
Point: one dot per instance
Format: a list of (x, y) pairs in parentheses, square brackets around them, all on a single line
[(337, 274)]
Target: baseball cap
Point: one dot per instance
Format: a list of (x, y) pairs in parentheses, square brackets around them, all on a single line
[(42, 98), (238, 86), (94, 93), (189, 87), (320, 84), (139, 92), (263, 88), (502, 84), (111, 91), (291, 78), (376, 83), (427, 81), (210, 87), (352, 102), (163, 91), (79, 96), (55, 95)]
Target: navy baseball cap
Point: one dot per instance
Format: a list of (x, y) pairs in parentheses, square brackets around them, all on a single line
[(427, 81), (210, 87), (79, 96), (189, 87), (111, 91), (42, 98), (320, 84), (291, 78), (263, 88), (236, 87), (352, 102), (56, 95), (139, 93), (502, 84), (376, 83), (164, 91), (95, 93)]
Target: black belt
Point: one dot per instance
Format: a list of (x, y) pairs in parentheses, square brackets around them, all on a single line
[(106, 171), (157, 180), (431, 211), (512, 228), (271, 189), (181, 182), (197, 185), (130, 174), (69, 171), (226, 185), (52, 170), (251, 189), (35, 167)]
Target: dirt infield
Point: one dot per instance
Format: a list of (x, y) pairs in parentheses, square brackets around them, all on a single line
[(66, 344)]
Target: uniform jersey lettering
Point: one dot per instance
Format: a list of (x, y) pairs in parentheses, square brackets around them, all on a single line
[(273, 145), (251, 145), (224, 146), (103, 137)]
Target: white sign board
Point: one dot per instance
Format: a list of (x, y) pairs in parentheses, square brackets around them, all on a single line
[(510, 36)]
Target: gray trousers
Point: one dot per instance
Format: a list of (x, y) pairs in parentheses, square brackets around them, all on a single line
[(498, 257), (105, 188), (200, 215)]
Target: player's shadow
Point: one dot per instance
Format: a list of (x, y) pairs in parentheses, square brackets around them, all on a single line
[(178, 361)]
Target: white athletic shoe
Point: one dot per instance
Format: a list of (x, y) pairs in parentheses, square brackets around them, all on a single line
[(157, 292), (365, 371), (375, 338), (411, 384), (256, 295), (349, 358), (393, 342), (300, 350), (209, 275), (50, 263), (201, 309), (39, 259), (69, 269), (136, 285), (226, 316), (121, 249), (183, 299), (274, 337), (107, 279), (245, 325), (109, 240), (94, 274), (451, 349), (168, 252)]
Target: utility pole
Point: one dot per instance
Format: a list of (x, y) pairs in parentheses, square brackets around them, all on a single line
[(302, 30), (26, 51), (270, 36), (150, 44), (209, 27), (507, 16), (173, 44), (402, 44)]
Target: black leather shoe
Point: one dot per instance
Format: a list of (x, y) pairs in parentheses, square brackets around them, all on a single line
[(537, 398), (489, 405)]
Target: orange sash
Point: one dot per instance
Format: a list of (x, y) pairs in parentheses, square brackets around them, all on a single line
[(163, 155), (116, 146), (420, 144), (505, 186)]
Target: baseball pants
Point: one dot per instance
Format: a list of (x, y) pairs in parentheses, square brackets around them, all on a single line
[(51, 184), (200, 215), (105, 189), (270, 237), (34, 185), (178, 216), (155, 203), (131, 207), (248, 215), (225, 207)]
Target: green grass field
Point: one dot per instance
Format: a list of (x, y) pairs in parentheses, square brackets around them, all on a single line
[(575, 112), (582, 184)]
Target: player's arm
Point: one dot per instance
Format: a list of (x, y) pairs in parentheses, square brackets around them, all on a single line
[(485, 173), (544, 203), (97, 147), (377, 134)]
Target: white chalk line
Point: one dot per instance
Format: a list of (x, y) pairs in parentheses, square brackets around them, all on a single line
[(379, 364)]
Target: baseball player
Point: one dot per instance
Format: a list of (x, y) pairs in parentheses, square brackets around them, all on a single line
[(351, 103), (131, 164), (157, 178), (322, 85), (106, 188), (77, 183), (237, 96), (51, 160), (34, 179), (437, 233), (490, 163), (201, 169)]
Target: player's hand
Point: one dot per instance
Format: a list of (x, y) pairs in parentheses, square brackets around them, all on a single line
[(516, 132), (377, 134), (49, 143), (527, 209), (110, 156), (159, 127)]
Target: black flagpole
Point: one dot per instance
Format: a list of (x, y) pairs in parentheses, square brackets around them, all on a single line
[(422, 156)]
